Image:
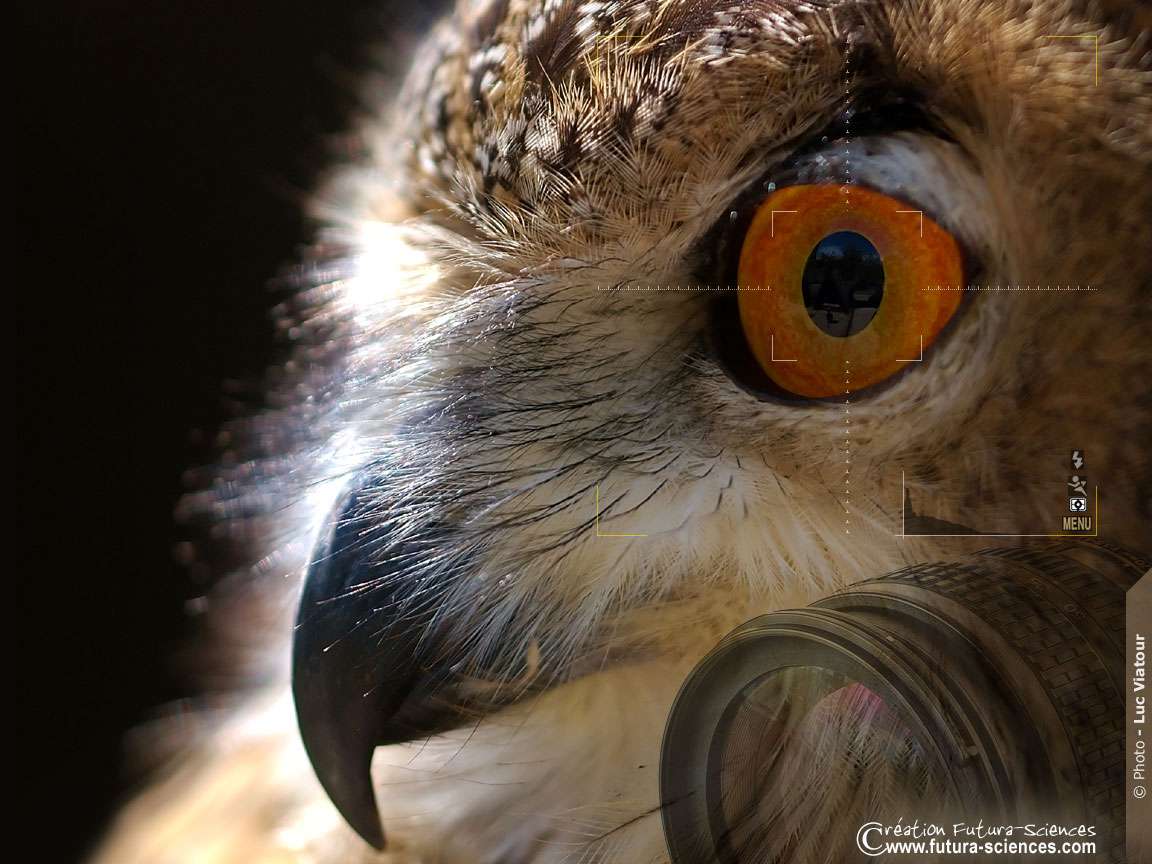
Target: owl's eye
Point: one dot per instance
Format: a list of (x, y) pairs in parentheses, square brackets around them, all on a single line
[(854, 284)]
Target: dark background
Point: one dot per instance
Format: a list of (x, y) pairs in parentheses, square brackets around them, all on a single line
[(170, 150)]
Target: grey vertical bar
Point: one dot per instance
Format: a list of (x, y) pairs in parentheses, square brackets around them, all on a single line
[(1138, 721)]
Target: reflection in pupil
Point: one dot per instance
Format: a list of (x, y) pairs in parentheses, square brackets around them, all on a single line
[(843, 283)]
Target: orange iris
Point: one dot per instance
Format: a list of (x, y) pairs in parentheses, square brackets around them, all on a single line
[(916, 253)]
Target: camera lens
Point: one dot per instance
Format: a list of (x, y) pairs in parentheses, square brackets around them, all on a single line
[(985, 688)]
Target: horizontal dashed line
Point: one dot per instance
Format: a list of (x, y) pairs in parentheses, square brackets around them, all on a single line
[(683, 288), (729, 288), (1010, 288)]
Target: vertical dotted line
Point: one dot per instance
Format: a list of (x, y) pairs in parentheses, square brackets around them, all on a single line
[(845, 187), (847, 446), (845, 191)]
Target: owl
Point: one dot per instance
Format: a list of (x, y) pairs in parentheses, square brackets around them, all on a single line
[(631, 321)]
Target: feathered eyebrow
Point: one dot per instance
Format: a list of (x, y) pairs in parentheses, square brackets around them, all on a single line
[(879, 110)]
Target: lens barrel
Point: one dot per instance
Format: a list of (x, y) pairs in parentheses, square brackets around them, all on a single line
[(1005, 667)]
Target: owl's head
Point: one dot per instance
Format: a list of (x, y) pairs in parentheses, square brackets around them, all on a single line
[(636, 302)]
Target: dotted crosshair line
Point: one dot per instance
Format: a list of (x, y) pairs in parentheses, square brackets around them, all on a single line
[(846, 191), (847, 446), (1017, 287), (658, 287)]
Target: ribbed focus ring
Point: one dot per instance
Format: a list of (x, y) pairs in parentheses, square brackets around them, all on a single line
[(1007, 663)]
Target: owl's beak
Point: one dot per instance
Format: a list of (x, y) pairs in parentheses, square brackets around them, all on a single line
[(357, 680)]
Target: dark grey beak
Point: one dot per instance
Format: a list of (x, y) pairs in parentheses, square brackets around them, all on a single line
[(361, 629)]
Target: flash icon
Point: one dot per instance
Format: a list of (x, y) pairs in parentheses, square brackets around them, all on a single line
[(1077, 459)]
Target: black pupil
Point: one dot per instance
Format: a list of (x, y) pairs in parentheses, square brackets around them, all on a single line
[(843, 283)]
